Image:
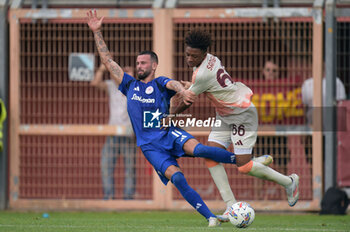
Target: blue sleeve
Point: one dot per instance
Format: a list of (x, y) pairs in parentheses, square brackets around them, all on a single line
[(163, 81), (125, 85)]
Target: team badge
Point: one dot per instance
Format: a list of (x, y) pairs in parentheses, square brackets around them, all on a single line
[(149, 90)]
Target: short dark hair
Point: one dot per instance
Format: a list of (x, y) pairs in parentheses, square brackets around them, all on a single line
[(197, 38), (153, 55)]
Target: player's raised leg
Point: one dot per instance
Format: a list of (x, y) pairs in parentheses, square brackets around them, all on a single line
[(253, 168), (194, 148), (264, 159)]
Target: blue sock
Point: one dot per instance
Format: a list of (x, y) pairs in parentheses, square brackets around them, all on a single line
[(215, 153), (191, 196)]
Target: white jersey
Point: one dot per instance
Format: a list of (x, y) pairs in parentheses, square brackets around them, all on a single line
[(307, 91), (228, 96), (118, 114), (307, 94)]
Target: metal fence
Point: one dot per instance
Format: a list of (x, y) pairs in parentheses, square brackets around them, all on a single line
[(58, 126)]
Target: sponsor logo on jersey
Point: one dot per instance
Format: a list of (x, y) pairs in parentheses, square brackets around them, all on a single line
[(136, 88), (135, 97), (239, 143)]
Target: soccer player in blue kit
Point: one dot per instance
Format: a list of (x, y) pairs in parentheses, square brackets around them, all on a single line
[(148, 99)]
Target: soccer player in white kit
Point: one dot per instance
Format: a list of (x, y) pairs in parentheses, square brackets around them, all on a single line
[(238, 115)]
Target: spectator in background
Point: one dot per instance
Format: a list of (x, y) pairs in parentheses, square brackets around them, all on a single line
[(275, 87), (116, 145), (307, 93), (277, 95), (270, 71)]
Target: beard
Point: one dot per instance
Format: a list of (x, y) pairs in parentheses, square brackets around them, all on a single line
[(143, 75)]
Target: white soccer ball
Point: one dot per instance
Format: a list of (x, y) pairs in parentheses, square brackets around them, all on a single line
[(241, 214)]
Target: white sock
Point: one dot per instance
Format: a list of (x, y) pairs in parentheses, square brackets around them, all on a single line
[(263, 172), (219, 176)]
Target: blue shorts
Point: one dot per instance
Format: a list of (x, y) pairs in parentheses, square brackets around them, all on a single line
[(165, 151)]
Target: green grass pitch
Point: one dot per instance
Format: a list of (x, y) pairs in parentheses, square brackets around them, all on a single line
[(166, 221)]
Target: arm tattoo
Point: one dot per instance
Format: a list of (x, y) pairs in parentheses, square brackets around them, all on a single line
[(177, 86), (104, 49), (106, 56), (101, 46), (115, 71)]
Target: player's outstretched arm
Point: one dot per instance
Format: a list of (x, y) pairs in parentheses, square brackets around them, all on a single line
[(175, 85), (186, 84), (187, 96), (95, 24)]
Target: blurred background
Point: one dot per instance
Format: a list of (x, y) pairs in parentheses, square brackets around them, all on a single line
[(294, 55)]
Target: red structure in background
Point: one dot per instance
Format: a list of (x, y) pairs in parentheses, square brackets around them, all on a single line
[(343, 134), (278, 101)]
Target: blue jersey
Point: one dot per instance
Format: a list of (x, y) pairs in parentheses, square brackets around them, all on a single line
[(147, 104)]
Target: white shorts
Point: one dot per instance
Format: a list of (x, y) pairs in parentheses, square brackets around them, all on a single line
[(238, 129)]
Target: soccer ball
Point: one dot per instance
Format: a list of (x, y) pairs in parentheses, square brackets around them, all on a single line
[(241, 214)]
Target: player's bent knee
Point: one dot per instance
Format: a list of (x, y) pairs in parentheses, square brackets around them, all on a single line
[(189, 146), (246, 167), (177, 177), (171, 170), (210, 163)]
